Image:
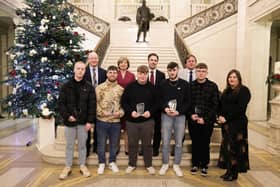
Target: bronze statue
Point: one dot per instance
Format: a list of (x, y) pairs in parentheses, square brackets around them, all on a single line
[(143, 18)]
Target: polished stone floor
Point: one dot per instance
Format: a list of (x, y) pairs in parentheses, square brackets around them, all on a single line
[(21, 165)]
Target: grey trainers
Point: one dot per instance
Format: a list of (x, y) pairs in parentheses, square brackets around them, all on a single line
[(65, 173), (84, 171)]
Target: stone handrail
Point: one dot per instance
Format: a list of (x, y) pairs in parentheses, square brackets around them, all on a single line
[(181, 47), (207, 17), (90, 22), (102, 46), (96, 26)]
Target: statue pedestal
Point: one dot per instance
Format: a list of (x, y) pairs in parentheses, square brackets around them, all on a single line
[(274, 123), (45, 132)]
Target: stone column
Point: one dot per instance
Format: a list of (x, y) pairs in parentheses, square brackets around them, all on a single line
[(256, 68), (274, 123)]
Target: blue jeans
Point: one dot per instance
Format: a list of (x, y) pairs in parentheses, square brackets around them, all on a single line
[(176, 123), (71, 133), (112, 131)]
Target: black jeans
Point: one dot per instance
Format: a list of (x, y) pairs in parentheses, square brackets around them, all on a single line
[(200, 136)]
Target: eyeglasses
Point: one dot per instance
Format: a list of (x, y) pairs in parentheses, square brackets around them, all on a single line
[(201, 71)]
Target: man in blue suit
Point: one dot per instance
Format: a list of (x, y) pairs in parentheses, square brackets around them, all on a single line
[(95, 75)]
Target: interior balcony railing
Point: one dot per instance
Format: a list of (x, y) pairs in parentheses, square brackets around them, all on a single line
[(201, 21), (96, 26), (130, 9)]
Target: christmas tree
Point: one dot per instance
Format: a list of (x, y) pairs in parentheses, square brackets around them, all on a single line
[(42, 58)]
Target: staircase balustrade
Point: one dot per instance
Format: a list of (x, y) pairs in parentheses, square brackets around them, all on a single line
[(102, 46), (200, 21), (207, 17), (180, 46), (96, 26)]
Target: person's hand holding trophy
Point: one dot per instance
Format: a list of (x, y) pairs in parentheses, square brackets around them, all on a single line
[(111, 111), (140, 111), (197, 116), (171, 110)]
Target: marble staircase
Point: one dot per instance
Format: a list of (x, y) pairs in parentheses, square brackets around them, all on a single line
[(55, 153)]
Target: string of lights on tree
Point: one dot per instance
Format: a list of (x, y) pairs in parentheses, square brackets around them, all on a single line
[(46, 47)]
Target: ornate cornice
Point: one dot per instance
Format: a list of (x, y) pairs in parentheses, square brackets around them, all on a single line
[(207, 17)]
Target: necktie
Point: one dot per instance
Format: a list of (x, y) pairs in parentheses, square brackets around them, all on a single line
[(152, 78), (93, 77), (191, 77)]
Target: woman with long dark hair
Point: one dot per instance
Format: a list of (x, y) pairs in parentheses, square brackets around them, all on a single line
[(234, 148)]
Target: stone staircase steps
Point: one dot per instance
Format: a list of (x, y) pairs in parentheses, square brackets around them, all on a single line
[(56, 153)]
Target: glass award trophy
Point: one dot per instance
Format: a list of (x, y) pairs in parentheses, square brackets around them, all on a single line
[(140, 108), (112, 107), (172, 104), (197, 111)]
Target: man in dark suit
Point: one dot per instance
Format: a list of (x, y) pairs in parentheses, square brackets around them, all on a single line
[(95, 75), (156, 77)]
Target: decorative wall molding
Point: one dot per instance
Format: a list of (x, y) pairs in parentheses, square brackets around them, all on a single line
[(207, 17)]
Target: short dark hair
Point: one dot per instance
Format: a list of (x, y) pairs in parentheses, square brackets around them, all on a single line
[(153, 54), (112, 68), (172, 65), (143, 69), (122, 59), (201, 66)]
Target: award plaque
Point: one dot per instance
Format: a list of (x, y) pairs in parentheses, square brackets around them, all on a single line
[(172, 104), (140, 108)]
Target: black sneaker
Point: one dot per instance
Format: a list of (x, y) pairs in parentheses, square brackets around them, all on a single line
[(194, 170), (204, 172)]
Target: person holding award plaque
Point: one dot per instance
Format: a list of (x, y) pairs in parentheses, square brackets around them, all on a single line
[(108, 114), (204, 106), (140, 102), (174, 103)]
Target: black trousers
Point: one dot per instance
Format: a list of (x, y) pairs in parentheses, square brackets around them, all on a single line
[(140, 131), (88, 145), (200, 136), (157, 132)]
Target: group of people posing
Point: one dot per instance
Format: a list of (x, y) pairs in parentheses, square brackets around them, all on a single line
[(152, 108)]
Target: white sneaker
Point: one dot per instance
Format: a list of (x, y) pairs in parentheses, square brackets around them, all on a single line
[(177, 170), (113, 166), (151, 170), (84, 171), (163, 169), (129, 169), (100, 169), (65, 173)]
